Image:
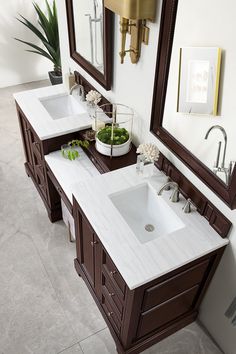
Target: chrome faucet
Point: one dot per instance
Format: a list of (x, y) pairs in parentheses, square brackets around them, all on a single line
[(175, 195), (188, 206), (81, 91), (217, 166)]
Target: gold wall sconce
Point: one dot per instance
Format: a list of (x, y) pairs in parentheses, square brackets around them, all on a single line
[(133, 17)]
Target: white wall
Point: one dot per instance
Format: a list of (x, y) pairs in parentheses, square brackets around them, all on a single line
[(133, 85), (16, 65)]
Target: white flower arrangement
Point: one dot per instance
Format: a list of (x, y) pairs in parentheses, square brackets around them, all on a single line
[(93, 97), (150, 151)]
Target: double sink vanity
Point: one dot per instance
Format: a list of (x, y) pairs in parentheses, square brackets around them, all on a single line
[(146, 263)]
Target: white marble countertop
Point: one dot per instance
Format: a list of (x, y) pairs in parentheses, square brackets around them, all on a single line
[(140, 263), (39, 118), (67, 172)]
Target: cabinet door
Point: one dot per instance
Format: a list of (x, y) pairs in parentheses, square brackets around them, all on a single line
[(88, 244), (25, 134)]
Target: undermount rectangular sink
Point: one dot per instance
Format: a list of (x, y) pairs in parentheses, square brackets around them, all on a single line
[(147, 214), (62, 106)]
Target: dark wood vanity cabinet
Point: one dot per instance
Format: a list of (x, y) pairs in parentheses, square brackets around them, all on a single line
[(36, 167), (141, 317)]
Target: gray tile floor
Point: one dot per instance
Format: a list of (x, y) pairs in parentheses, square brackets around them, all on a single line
[(45, 308)]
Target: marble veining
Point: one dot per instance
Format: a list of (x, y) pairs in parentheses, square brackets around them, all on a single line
[(140, 263), (67, 172), (39, 118)]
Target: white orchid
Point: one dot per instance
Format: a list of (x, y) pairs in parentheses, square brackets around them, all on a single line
[(93, 97), (150, 151)]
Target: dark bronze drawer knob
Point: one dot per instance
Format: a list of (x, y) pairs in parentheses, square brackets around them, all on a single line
[(113, 272), (111, 294), (93, 243), (110, 314)]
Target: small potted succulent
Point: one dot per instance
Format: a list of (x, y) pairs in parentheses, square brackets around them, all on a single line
[(69, 151), (113, 141), (49, 36)]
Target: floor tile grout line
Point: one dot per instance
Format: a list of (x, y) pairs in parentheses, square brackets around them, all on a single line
[(71, 346), (57, 296), (54, 289), (91, 335), (79, 342)]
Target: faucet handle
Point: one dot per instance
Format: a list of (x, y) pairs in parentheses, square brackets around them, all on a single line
[(187, 208)]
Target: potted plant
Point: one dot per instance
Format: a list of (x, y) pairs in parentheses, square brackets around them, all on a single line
[(69, 150), (49, 37), (113, 141)]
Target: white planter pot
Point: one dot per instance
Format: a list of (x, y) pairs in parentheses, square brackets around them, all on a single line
[(117, 150)]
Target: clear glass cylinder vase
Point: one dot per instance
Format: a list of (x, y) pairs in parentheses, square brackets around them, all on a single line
[(144, 166)]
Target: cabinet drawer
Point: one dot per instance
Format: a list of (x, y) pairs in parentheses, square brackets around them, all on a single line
[(174, 286), (94, 161), (112, 296), (113, 274), (111, 315), (160, 315)]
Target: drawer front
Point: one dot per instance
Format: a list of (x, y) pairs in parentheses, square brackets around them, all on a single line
[(95, 162), (109, 291), (111, 315), (174, 286), (114, 275), (160, 315)]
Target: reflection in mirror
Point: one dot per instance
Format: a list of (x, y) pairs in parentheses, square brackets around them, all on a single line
[(88, 21), (90, 31), (203, 30)]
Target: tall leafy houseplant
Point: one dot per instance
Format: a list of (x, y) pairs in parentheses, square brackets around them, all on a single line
[(49, 37)]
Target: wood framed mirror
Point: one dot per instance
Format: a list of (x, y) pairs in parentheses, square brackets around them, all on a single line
[(90, 30), (163, 76)]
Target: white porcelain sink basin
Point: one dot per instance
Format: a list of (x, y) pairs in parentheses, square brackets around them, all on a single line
[(146, 213), (62, 106)]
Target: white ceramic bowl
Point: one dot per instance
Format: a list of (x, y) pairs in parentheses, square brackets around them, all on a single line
[(117, 150)]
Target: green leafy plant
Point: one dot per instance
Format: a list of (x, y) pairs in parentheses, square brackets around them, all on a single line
[(48, 35), (69, 151), (120, 135)]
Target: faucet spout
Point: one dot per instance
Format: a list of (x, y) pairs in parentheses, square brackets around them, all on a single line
[(81, 91), (219, 127), (175, 195)]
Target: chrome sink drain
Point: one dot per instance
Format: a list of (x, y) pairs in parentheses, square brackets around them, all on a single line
[(149, 228)]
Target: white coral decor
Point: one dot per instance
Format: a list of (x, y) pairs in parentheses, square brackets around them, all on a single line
[(150, 151), (93, 97)]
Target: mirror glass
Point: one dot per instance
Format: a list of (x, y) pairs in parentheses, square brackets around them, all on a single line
[(88, 22), (198, 25)]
